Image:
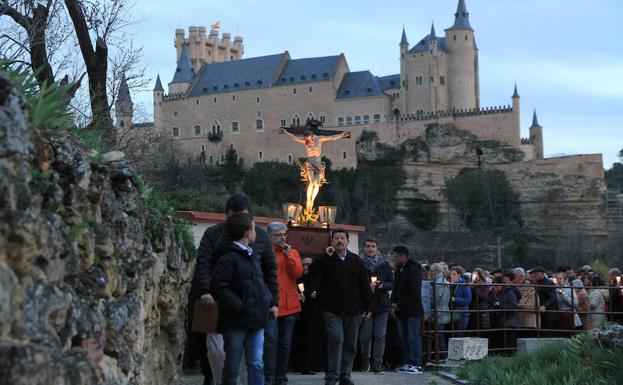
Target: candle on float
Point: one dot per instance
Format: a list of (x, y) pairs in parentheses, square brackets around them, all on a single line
[(301, 287), (618, 278), (555, 280)]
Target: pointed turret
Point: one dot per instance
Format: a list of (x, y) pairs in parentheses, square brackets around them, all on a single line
[(432, 31), (535, 121), (403, 40), (158, 86), (461, 17), (124, 108), (184, 72), (124, 92), (515, 94)]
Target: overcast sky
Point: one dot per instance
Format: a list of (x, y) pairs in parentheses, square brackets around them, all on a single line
[(565, 55)]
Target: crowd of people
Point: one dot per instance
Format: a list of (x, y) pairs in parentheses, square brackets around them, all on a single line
[(369, 310)]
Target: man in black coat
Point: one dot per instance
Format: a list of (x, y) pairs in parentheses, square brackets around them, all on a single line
[(549, 301), (342, 286), (407, 304), (213, 244)]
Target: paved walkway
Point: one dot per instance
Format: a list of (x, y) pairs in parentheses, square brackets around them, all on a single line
[(389, 378)]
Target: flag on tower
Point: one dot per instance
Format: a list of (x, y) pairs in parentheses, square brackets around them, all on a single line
[(216, 25)]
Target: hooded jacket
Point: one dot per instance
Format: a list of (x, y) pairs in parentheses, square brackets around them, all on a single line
[(407, 292)]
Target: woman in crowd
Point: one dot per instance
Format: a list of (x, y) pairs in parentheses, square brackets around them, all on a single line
[(461, 298), (583, 304), (597, 296), (567, 300), (441, 291), (482, 293), (504, 298)]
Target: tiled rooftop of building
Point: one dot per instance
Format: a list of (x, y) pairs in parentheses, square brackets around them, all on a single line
[(308, 69), (358, 85)]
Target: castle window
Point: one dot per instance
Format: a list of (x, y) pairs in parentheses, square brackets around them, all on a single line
[(340, 121), (176, 132), (442, 80), (290, 158), (369, 90), (366, 119), (197, 130), (357, 119), (349, 120), (377, 118), (259, 124), (302, 77), (259, 113), (231, 58), (294, 91), (174, 113), (346, 92), (233, 98), (235, 127), (257, 100), (344, 154), (310, 116), (465, 37), (197, 101), (291, 78), (296, 121), (216, 127), (322, 117), (236, 85), (260, 155), (214, 88), (226, 87), (205, 89), (214, 101), (247, 84), (203, 147), (454, 37), (310, 90), (325, 74), (402, 56), (313, 76), (283, 122), (283, 80), (259, 82), (209, 53), (432, 79), (121, 123)]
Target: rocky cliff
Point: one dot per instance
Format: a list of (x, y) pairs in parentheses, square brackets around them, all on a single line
[(561, 199), (93, 284)]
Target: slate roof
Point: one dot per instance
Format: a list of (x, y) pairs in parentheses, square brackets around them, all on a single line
[(535, 121), (461, 17), (358, 85), (124, 92), (389, 81), (158, 86), (403, 40), (308, 69), (422, 46), (184, 72), (243, 74)]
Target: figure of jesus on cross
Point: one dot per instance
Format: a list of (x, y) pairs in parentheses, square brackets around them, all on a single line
[(313, 170)]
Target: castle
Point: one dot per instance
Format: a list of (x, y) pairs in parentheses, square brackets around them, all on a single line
[(218, 100)]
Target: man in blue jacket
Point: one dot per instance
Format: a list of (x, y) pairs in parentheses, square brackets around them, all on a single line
[(243, 301)]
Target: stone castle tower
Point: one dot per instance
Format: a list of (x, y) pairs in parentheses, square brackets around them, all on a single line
[(440, 73)]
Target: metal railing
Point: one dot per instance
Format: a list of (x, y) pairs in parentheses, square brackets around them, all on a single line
[(432, 332)]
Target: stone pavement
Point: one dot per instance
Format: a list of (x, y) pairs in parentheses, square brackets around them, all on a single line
[(389, 378)]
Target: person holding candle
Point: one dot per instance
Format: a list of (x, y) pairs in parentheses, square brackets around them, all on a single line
[(278, 333), (548, 301), (375, 318)]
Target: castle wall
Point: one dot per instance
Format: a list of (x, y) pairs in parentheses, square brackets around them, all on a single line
[(462, 76), (430, 95)]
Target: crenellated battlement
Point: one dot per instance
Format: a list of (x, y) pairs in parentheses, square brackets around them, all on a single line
[(527, 141), (454, 113), (208, 49)]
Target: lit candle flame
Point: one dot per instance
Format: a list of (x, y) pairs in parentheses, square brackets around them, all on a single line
[(555, 280), (618, 278), (373, 279), (301, 287)]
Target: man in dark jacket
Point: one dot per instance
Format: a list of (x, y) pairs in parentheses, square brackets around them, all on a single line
[(407, 303), (243, 301), (210, 248), (342, 286), (375, 318), (549, 301)]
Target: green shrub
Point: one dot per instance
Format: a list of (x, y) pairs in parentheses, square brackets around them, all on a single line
[(579, 360)]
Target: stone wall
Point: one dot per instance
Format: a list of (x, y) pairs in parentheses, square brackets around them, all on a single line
[(93, 285)]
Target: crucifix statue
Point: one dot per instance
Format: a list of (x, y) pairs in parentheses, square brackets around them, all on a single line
[(313, 170)]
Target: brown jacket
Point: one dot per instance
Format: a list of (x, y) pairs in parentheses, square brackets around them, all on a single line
[(529, 301)]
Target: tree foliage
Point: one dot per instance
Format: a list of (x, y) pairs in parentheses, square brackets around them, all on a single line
[(484, 200)]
